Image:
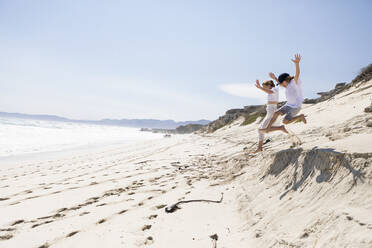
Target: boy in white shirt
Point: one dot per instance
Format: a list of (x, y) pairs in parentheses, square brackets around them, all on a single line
[(293, 92)]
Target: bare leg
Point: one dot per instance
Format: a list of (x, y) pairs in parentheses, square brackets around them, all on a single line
[(259, 148), (272, 129), (273, 119), (296, 118)]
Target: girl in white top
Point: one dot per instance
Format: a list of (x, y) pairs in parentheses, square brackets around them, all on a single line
[(272, 102)]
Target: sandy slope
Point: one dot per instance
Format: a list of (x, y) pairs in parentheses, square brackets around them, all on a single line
[(317, 194)]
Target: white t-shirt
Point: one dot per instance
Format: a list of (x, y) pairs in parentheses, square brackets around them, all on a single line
[(273, 97), (293, 92)]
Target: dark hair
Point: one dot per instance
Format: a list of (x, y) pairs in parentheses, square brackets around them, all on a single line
[(285, 77), (269, 83)]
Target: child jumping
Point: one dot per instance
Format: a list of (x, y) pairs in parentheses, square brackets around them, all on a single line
[(271, 107), (293, 92)]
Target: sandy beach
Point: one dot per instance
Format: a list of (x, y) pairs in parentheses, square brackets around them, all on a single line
[(310, 191), (185, 124)]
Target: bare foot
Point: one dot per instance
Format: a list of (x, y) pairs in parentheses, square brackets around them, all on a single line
[(258, 150), (303, 119), (283, 129)]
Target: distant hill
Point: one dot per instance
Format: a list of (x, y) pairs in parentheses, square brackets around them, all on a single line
[(138, 123), (150, 123)]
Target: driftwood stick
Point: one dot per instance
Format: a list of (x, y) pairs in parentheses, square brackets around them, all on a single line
[(174, 207)]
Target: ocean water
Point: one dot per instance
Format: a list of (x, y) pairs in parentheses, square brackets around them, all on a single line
[(24, 136)]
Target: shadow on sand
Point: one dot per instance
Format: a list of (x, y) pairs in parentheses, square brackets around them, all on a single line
[(323, 160)]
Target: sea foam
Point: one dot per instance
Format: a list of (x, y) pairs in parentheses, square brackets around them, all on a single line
[(21, 136)]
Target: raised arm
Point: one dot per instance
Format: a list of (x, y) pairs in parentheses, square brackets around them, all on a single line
[(258, 85), (297, 60), (273, 77)]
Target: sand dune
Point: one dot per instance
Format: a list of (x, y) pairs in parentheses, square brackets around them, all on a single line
[(314, 194)]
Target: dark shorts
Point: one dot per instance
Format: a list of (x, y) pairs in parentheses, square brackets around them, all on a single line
[(289, 112)]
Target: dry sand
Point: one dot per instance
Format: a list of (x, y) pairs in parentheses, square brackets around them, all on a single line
[(314, 194)]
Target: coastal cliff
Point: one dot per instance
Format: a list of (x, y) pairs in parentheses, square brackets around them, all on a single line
[(251, 113)]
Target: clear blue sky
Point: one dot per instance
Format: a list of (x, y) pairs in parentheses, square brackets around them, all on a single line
[(171, 59)]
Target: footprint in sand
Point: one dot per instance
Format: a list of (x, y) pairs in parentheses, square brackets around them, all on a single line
[(160, 206), (149, 240), (303, 236), (101, 221), (62, 210), (7, 229), (152, 216), (258, 234), (46, 245), (146, 227), (6, 237), (35, 225), (71, 234), (123, 211), (17, 222), (39, 224)]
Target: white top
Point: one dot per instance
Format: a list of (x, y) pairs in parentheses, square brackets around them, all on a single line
[(293, 92), (273, 97)]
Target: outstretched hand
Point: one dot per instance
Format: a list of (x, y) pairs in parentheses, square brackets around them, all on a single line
[(297, 58), (258, 85), (272, 75)]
